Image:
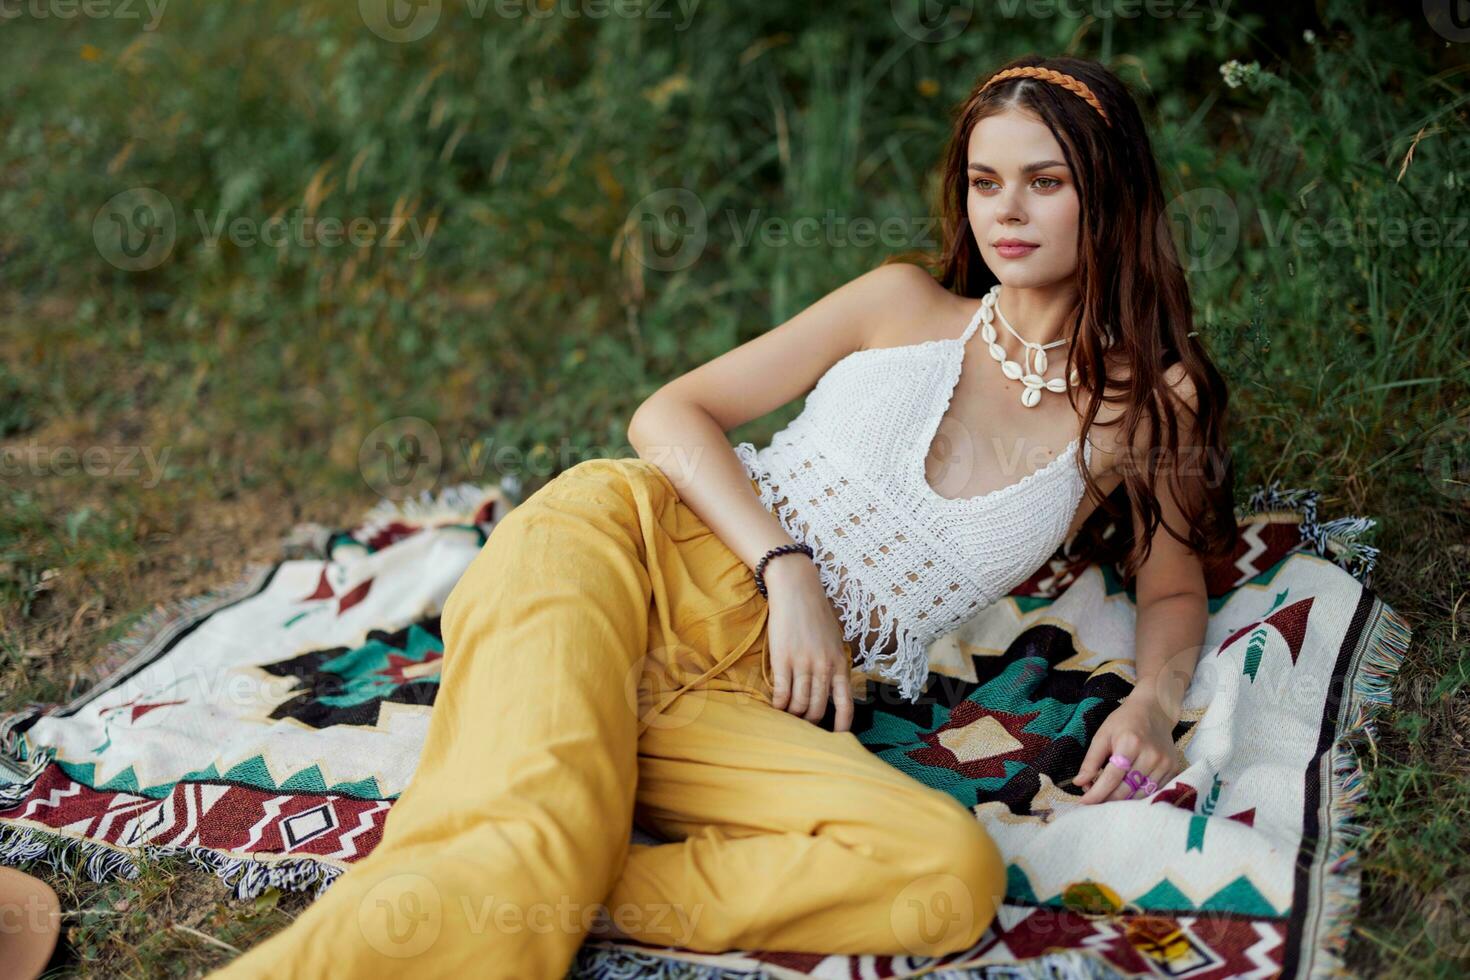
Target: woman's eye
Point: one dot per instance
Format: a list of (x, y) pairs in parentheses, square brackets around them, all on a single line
[(978, 181)]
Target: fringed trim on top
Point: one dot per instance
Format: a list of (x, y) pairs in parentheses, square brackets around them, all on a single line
[(907, 666), (1337, 540), (459, 502), (156, 627)]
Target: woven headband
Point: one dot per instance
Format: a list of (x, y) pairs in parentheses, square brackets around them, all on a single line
[(1056, 78)]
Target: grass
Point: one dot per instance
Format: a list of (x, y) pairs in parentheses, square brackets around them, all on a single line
[(227, 391)]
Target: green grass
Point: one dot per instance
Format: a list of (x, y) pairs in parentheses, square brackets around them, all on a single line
[(521, 147)]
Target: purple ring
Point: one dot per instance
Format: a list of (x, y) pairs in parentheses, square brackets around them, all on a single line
[(1135, 780), (1150, 788)]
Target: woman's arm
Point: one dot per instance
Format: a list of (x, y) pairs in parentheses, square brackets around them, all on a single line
[(681, 428), (1173, 612)]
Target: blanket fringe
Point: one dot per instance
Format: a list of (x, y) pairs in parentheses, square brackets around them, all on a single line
[(1339, 540), (1070, 965), (1370, 693), (19, 766), (65, 855), (161, 623), (454, 503), (246, 877), (597, 961)]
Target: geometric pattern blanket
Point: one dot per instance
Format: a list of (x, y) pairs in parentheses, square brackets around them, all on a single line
[(265, 729)]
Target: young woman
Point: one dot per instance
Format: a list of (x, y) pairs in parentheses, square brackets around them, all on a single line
[(655, 640)]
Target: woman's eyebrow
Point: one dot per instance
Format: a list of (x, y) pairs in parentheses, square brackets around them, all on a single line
[(1029, 168)]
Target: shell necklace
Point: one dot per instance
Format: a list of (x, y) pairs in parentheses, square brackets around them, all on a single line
[(1030, 376)]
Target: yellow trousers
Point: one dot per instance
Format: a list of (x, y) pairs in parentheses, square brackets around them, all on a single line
[(606, 663)]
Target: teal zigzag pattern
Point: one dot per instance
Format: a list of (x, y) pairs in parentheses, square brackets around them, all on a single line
[(1239, 897), (252, 772)]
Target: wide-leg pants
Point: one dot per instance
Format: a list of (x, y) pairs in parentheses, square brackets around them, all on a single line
[(606, 662)]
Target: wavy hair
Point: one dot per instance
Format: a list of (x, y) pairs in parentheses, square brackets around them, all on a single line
[(1135, 307)]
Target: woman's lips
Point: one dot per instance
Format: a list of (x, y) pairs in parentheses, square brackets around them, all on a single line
[(1015, 251)]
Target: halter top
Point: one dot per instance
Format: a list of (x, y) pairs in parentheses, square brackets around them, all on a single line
[(902, 564)]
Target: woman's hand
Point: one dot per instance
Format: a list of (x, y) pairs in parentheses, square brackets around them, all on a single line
[(808, 660), (1139, 729)]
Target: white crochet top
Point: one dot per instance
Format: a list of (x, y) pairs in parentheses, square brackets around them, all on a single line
[(902, 564)]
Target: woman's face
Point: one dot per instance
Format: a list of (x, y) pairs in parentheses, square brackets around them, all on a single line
[(1010, 197)]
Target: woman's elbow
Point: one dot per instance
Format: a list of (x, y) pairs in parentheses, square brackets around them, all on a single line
[(643, 420)]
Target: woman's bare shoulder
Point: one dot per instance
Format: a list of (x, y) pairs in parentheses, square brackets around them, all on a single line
[(1107, 426), (914, 307)]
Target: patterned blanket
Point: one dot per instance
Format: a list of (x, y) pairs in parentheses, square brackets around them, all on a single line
[(265, 729)]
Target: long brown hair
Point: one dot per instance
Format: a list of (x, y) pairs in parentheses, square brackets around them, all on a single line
[(1133, 295)]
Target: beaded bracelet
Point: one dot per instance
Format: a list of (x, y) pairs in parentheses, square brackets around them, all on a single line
[(785, 549)]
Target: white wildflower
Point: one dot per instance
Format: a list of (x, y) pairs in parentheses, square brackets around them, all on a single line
[(1236, 74)]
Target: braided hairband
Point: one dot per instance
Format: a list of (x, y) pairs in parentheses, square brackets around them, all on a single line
[(1056, 78)]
